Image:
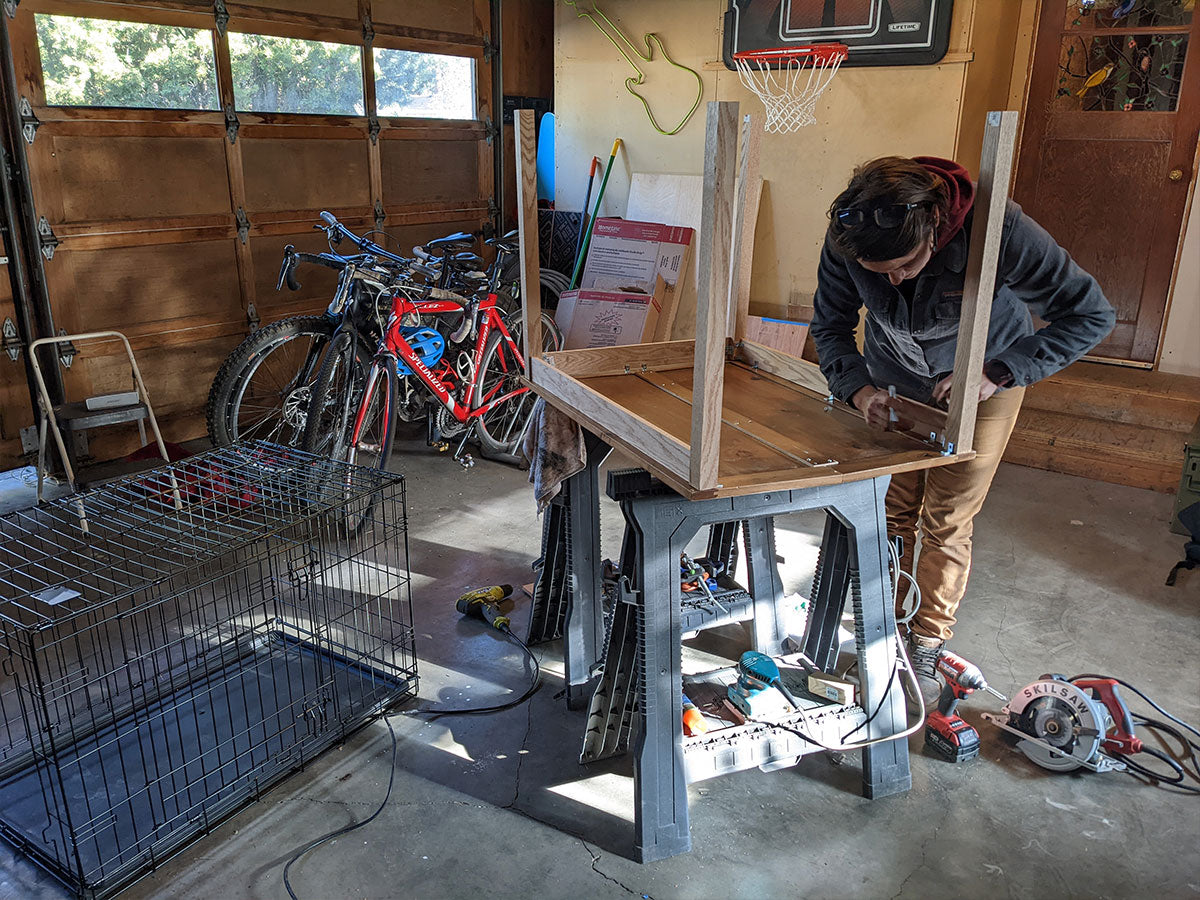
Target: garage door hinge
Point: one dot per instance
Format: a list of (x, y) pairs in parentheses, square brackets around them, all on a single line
[(10, 7), (221, 14), (243, 225), (29, 122), (373, 128), (252, 316), (46, 239), (490, 129), (368, 30), (231, 124), (66, 351), (490, 51), (12, 342), (379, 215)]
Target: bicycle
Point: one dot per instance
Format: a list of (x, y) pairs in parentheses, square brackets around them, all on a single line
[(480, 392), (264, 387)]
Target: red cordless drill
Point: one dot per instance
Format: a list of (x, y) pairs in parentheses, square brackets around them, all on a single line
[(946, 733)]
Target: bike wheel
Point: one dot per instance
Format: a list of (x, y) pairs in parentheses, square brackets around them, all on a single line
[(501, 428), (262, 389), (336, 395)]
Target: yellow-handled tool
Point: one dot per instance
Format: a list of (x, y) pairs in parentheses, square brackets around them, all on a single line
[(482, 603)]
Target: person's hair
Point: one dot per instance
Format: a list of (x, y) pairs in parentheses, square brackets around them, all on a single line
[(883, 182)]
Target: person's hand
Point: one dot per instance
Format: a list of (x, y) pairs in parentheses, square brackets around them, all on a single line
[(872, 403), (987, 387)]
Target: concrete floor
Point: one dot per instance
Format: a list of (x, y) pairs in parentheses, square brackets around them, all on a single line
[(1068, 578)]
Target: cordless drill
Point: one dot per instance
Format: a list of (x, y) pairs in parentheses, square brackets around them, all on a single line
[(946, 733), (483, 603)]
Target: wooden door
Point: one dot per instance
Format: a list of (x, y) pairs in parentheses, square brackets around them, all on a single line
[(1109, 147), (170, 221)]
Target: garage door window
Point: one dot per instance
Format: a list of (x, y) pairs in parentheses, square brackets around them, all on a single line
[(287, 75), (100, 62), (424, 85)]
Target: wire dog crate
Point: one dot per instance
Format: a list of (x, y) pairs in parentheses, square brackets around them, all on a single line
[(173, 644)]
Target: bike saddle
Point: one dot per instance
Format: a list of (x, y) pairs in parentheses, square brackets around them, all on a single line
[(450, 240), (510, 238)]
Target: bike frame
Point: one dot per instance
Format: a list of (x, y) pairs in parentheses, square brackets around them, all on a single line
[(395, 347)]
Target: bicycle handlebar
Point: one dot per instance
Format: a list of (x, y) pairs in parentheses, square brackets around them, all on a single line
[(367, 246)]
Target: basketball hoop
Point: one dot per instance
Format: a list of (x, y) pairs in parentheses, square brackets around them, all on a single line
[(790, 92)]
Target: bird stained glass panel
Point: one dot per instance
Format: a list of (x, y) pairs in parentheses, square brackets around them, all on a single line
[(1130, 13), (1115, 72)]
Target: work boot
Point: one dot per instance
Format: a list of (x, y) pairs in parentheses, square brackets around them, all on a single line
[(923, 653)]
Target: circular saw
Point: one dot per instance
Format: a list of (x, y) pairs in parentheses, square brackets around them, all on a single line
[(1065, 725)]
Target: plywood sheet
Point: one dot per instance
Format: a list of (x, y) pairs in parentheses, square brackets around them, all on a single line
[(672, 200), (303, 173), (123, 177)]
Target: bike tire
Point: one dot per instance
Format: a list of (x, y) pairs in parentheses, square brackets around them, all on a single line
[(226, 396), (499, 431), (335, 397), (371, 447)]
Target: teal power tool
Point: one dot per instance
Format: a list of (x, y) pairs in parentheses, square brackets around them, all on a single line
[(757, 673), (484, 603)]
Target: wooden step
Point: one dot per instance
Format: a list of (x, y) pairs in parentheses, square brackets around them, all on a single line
[(1135, 455)]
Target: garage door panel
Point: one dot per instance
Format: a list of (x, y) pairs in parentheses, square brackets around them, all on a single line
[(108, 178), (143, 290), (429, 171), (341, 9), (299, 173), (434, 15), (317, 283)]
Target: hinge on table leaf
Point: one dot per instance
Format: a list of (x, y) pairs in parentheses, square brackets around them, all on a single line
[(29, 122), (243, 225), (232, 124), (221, 14), (47, 242), (12, 342)]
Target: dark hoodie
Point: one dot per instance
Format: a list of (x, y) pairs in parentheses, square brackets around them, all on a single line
[(911, 345)]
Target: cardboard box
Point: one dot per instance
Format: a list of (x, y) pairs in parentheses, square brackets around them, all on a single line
[(630, 257), (607, 318)]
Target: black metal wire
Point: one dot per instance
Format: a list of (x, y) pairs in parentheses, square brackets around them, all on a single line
[(534, 684)]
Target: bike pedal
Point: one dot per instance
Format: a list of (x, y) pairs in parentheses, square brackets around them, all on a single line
[(466, 461)]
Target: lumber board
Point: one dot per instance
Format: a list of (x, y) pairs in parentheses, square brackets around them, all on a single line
[(531, 291), (979, 283), (800, 371), (716, 233), (583, 402), (745, 217), (653, 357), (778, 334)]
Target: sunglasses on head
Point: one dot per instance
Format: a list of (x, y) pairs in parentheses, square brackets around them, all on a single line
[(891, 215)]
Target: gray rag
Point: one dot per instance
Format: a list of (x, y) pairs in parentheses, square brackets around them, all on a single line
[(554, 447)]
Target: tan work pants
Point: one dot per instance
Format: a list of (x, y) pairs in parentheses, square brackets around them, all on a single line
[(942, 503)]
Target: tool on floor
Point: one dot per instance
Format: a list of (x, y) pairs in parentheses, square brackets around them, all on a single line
[(1063, 727), (946, 732), (484, 603), (693, 719), (581, 253)]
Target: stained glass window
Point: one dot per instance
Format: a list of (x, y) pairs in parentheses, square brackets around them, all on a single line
[(1132, 72)]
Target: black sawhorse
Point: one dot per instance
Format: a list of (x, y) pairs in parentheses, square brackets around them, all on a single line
[(639, 691)]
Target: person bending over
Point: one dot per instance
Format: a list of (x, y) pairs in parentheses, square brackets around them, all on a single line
[(897, 244)]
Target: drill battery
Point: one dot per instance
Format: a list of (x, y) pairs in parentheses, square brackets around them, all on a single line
[(951, 737)]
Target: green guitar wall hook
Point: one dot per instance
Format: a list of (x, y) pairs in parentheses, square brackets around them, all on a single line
[(595, 16)]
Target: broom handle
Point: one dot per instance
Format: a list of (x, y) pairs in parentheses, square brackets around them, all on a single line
[(587, 199), (587, 240)]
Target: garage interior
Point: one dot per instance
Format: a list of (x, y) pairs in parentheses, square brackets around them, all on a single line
[(160, 155)]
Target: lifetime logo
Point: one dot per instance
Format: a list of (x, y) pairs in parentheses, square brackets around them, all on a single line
[(905, 26)]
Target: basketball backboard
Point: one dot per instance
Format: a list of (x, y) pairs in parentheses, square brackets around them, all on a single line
[(878, 32)]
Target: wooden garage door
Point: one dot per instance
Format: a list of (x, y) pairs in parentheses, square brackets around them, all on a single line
[(170, 221)]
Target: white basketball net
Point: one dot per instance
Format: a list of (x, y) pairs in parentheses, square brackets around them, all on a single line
[(790, 92)]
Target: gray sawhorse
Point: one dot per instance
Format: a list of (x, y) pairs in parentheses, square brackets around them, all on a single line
[(639, 690)]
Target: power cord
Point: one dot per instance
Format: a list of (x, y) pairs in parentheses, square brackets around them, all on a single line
[(534, 685), (1174, 782)]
